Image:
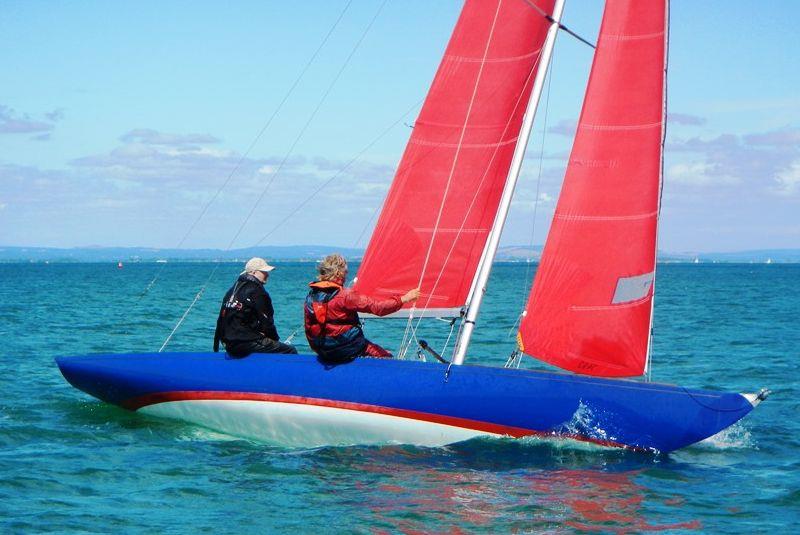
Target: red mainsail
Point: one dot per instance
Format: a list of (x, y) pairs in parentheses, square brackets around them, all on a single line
[(590, 307), (442, 203)]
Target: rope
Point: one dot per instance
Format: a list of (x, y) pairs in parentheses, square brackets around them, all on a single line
[(188, 309), (478, 188), (335, 176), (272, 178), (252, 145), (453, 168), (546, 15), (649, 358), (450, 334), (288, 339), (528, 280), (308, 123)]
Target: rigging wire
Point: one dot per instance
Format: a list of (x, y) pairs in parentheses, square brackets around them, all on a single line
[(308, 122), (366, 225), (277, 171), (252, 145), (527, 281), (549, 17), (337, 175), (477, 189), (649, 356), (453, 167)]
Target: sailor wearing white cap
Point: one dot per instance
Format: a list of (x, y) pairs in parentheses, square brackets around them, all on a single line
[(246, 318)]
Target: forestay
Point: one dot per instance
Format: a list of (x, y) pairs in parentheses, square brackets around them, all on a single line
[(444, 197), (590, 307)]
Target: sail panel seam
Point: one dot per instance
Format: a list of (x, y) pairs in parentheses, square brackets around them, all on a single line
[(422, 122), (622, 37), (597, 308), (441, 144), (632, 217), (451, 230), (506, 59), (618, 127)]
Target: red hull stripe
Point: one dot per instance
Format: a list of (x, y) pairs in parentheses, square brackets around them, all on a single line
[(464, 423)]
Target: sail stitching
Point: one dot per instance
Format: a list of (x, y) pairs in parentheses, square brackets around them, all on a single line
[(461, 145), (468, 59), (627, 304), (423, 122), (622, 37), (633, 217), (447, 230), (618, 127)]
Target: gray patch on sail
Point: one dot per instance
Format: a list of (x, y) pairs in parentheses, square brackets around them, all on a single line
[(632, 288)]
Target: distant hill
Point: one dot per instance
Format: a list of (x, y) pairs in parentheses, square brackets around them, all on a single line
[(758, 256), (149, 254), (533, 254), (310, 253)]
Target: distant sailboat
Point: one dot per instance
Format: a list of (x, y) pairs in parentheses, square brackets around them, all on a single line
[(696, 260), (591, 306), (769, 261), (119, 265)]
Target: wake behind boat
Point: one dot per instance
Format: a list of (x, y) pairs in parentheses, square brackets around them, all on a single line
[(590, 309)]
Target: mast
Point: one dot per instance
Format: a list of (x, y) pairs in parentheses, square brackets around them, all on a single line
[(484, 269)]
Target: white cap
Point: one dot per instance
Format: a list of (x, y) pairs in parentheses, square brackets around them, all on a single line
[(257, 264)]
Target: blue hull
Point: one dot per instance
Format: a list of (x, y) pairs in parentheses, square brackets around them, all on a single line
[(477, 399)]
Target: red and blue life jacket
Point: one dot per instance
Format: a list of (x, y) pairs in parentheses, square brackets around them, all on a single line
[(342, 347)]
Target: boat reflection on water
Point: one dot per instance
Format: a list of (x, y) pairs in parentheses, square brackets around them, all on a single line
[(506, 487)]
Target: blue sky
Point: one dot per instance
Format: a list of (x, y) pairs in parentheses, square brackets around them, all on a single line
[(120, 121)]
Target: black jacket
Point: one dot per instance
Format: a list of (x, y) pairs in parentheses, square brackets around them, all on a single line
[(246, 314)]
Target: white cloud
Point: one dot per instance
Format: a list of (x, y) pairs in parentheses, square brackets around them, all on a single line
[(789, 180), (12, 122), (266, 169), (754, 162), (147, 136), (697, 174), (685, 119)]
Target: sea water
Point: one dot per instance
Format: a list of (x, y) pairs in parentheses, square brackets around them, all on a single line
[(70, 463)]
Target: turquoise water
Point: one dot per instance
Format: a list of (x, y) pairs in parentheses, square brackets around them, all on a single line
[(71, 463)]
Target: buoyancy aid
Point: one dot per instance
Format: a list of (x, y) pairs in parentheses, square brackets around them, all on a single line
[(343, 347)]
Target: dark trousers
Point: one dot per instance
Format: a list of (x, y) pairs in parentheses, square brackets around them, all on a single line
[(265, 345)]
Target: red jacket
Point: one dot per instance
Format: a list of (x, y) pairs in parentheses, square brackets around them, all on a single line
[(343, 308)]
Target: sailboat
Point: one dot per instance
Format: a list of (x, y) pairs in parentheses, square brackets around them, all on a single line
[(590, 309)]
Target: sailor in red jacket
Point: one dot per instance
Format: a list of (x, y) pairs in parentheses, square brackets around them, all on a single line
[(331, 311)]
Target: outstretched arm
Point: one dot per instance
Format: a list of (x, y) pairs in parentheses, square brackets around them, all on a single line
[(379, 307)]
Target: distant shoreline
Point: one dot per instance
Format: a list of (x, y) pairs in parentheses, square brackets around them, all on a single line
[(313, 253)]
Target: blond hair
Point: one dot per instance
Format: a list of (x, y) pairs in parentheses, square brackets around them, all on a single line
[(332, 267)]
